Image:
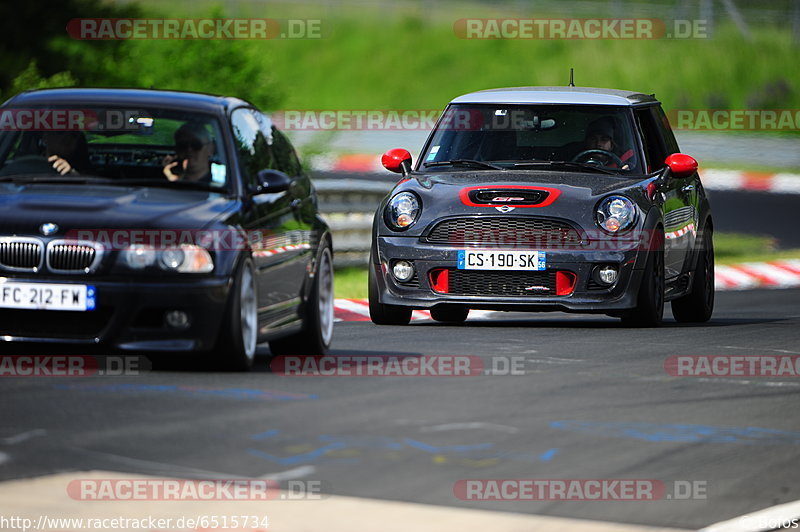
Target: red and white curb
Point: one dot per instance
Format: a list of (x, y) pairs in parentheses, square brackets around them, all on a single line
[(781, 183), (746, 276), (749, 275)]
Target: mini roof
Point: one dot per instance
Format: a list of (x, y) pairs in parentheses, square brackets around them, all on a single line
[(557, 95)]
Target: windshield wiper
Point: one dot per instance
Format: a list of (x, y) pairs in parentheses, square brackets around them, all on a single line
[(463, 162), (572, 164)]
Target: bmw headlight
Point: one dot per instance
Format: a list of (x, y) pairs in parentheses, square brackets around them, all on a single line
[(615, 214), (402, 211), (186, 258)]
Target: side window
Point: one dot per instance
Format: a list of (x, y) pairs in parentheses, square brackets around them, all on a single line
[(654, 149), (666, 130), (285, 156), (253, 147)]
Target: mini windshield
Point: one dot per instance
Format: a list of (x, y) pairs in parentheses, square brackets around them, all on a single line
[(126, 146), (530, 136)]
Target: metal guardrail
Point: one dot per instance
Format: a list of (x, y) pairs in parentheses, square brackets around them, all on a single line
[(348, 205)]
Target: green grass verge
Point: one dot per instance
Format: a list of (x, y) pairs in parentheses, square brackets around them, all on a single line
[(729, 248)]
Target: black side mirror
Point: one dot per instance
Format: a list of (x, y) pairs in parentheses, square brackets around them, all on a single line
[(271, 181)]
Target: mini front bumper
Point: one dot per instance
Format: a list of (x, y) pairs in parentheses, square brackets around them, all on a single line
[(129, 317), (585, 297)]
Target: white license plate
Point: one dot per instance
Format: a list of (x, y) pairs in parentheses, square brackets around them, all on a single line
[(490, 259), (47, 296)]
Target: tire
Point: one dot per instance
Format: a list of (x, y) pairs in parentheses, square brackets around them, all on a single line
[(236, 346), (381, 314), (649, 309), (698, 305), (315, 338), (450, 313)]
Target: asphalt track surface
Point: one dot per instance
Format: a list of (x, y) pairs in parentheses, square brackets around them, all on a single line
[(761, 213), (594, 402)]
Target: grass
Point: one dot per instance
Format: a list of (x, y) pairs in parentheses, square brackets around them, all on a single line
[(729, 248), (370, 59)]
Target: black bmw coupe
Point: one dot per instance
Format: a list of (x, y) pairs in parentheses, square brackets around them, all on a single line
[(145, 221)]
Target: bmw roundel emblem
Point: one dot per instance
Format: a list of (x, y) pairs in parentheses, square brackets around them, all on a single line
[(48, 229)]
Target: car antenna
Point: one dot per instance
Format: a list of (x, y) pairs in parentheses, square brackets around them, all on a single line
[(571, 82)]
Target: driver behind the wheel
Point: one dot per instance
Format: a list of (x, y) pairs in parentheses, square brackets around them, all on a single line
[(600, 136), (67, 150)]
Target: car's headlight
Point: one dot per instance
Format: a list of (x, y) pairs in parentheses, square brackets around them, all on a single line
[(186, 258), (402, 211), (615, 214)]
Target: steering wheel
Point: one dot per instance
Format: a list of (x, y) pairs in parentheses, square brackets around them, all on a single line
[(613, 156), (28, 164)]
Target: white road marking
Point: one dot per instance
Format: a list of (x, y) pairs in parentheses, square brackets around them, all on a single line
[(470, 425), (19, 438), (750, 522), (297, 472)]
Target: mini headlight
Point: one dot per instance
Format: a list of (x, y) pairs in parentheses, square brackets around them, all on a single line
[(402, 211), (615, 214)]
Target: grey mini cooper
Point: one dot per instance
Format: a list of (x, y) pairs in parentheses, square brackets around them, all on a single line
[(545, 199)]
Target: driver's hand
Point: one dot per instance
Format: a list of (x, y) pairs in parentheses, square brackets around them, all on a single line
[(62, 166), (171, 162)]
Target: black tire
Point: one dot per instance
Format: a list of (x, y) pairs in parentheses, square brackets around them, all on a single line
[(236, 346), (649, 309), (450, 313), (314, 339), (698, 305), (381, 314)]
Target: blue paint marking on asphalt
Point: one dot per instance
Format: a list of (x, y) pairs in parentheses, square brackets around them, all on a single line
[(681, 433), (297, 458), (229, 393), (479, 451), (265, 435), (548, 455), (446, 448)]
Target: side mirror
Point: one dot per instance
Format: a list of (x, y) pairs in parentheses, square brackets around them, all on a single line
[(397, 160), (682, 165), (271, 181)]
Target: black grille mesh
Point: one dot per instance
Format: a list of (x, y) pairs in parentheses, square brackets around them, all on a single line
[(70, 257), (505, 232), (496, 283)]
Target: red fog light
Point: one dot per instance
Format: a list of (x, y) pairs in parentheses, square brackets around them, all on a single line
[(565, 283), (440, 280)]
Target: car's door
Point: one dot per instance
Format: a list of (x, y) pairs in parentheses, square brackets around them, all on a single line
[(680, 214), (268, 215)]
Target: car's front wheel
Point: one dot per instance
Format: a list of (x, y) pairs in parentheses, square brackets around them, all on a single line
[(381, 314), (649, 309), (236, 346), (698, 306), (314, 339)]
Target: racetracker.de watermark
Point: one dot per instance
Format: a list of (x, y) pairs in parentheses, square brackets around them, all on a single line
[(170, 489), (735, 119), (733, 365), (35, 119), (72, 365), (111, 29), (397, 366), (579, 28), (603, 489), (161, 239)]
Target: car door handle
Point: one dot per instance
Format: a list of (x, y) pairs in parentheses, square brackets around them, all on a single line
[(687, 188)]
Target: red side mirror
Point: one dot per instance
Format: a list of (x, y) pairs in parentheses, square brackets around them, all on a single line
[(682, 165), (394, 159)]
